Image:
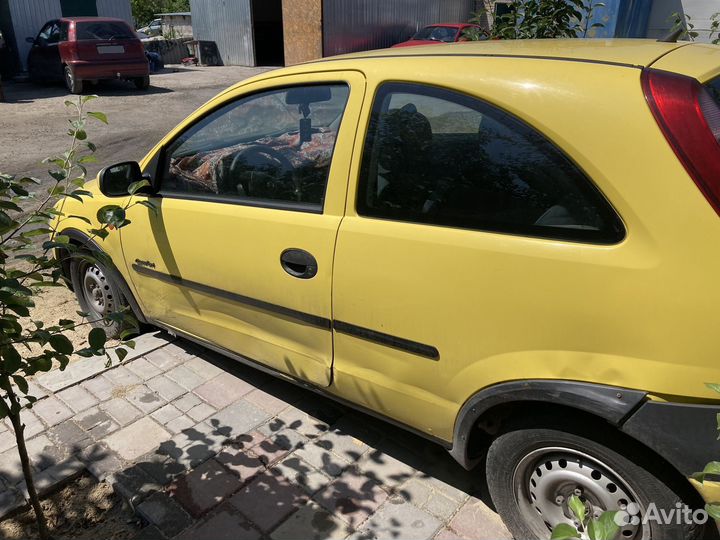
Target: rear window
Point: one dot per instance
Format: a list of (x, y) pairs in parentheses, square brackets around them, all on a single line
[(102, 30)]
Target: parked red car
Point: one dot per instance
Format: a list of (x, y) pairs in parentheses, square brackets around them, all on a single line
[(438, 33), (84, 49)]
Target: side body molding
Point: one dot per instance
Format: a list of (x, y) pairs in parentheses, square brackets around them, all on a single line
[(84, 240), (610, 403)]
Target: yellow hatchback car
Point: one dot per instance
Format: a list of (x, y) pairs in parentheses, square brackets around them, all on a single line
[(510, 248)]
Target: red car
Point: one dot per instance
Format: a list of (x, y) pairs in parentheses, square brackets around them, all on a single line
[(438, 33), (80, 49)]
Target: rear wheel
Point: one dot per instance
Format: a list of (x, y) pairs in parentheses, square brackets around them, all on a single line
[(142, 83), (73, 84), (532, 473), (97, 294)]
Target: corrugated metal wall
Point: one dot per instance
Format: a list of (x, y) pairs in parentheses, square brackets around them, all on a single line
[(116, 8), (359, 25), (28, 18), (229, 24)]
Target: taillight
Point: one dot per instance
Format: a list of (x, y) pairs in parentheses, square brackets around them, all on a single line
[(690, 119)]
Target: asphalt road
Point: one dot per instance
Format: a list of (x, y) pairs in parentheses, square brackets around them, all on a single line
[(33, 119)]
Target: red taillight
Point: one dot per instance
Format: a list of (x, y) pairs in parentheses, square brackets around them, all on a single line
[(690, 119)]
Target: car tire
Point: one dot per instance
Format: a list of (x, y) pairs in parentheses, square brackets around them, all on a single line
[(531, 473), (142, 83), (73, 84), (98, 294)]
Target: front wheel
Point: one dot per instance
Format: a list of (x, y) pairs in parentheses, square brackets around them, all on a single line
[(97, 294), (73, 84), (532, 473)]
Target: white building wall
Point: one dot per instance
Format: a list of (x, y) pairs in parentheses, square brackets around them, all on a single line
[(700, 11)]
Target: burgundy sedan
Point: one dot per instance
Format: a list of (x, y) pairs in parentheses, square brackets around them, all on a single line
[(438, 33), (80, 49)]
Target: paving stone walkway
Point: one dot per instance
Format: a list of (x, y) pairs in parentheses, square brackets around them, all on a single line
[(205, 448)]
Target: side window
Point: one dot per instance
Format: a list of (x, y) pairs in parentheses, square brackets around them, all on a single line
[(442, 158), (50, 34), (274, 146), (64, 30)]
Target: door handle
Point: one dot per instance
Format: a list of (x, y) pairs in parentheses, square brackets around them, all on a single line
[(298, 263)]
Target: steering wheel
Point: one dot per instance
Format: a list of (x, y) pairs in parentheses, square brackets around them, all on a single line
[(260, 171)]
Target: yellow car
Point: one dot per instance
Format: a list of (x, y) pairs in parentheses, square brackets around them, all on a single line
[(510, 248)]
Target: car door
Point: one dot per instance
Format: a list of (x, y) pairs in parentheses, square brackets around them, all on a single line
[(44, 58), (239, 249), (460, 221)]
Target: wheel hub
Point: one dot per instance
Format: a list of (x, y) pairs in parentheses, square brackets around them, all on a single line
[(97, 291), (546, 479)]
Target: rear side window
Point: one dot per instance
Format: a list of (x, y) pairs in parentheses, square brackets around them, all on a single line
[(713, 87), (443, 158), (106, 30)]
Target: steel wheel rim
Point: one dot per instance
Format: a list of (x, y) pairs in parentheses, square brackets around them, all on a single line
[(545, 479), (96, 290), (68, 78)]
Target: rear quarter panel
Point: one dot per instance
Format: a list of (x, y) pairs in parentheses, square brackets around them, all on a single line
[(638, 314)]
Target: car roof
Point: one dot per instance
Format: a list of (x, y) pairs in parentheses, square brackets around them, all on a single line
[(92, 19), (635, 52)]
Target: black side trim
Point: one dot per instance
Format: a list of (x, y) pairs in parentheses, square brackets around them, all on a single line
[(608, 402), (314, 320), (681, 433), (428, 351), (84, 240), (299, 382)]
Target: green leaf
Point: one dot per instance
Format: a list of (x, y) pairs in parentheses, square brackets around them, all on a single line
[(712, 468), (43, 364), (111, 214), (135, 186), (61, 344), (713, 386), (81, 218), (563, 531), (87, 98), (97, 338), (577, 507), (603, 528), (713, 511), (99, 116), (121, 353)]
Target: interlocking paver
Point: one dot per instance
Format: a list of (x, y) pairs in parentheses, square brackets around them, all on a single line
[(143, 369), (121, 410), (311, 522), (203, 488), (402, 521), (166, 414), (476, 520), (203, 368), (144, 399), (165, 388), (322, 459), (91, 418), (179, 424), (201, 411), (267, 500), (77, 398), (43, 453), (162, 359), (7, 440), (75, 372), (447, 534), (302, 473), (161, 468), (99, 386), (268, 402), (71, 435), (187, 402), (385, 469), (9, 501), (223, 389), (237, 419), (100, 460), (137, 439), (343, 444), (224, 524), (241, 462), (268, 452), (33, 425), (185, 377), (166, 514), (353, 497), (52, 411), (300, 421), (121, 376)]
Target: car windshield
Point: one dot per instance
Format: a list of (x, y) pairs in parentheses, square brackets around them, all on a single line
[(103, 30), (436, 33)]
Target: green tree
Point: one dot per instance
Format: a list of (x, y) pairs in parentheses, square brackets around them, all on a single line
[(144, 10), (28, 346)]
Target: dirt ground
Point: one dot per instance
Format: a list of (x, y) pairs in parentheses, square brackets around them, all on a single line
[(33, 123), (83, 510)]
